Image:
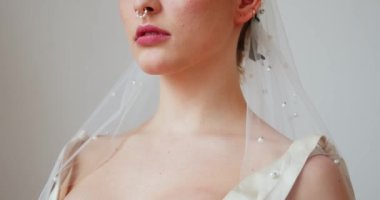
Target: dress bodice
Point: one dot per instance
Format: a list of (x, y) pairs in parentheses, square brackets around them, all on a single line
[(276, 181)]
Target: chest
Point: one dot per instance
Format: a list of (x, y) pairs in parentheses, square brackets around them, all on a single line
[(162, 173)]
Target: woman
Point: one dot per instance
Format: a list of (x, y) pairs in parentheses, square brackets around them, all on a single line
[(230, 120)]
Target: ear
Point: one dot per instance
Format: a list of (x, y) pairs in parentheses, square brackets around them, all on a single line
[(246, 10)]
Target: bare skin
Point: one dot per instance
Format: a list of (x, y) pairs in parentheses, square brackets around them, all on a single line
[(171, 166), (200, 117)]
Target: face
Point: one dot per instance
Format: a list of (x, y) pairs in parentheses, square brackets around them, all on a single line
[(195, 31)]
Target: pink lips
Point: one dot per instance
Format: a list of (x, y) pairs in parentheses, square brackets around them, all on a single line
[(150, 35)]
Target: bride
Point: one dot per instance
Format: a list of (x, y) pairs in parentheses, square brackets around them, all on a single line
[(212, 109)]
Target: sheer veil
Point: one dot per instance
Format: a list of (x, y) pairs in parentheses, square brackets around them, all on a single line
[(270, 84)]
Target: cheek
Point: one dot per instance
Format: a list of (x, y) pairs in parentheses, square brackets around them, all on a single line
[(191, 19), (202, 22), (193, 10), (204, 15)]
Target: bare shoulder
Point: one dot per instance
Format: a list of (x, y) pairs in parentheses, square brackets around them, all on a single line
[(96, 152), (92, 154), (320, 178)]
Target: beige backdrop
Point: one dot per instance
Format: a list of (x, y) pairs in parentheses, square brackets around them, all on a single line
[(58, 58)]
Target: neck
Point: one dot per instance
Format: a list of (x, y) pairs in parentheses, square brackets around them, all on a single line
[(205, 99)]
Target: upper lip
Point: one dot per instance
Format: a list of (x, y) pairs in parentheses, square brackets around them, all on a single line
[(142, 30)]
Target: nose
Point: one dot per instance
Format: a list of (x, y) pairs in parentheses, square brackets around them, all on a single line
[(151, 6)]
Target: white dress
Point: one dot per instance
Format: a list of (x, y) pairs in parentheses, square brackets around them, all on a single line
[(275, 181)]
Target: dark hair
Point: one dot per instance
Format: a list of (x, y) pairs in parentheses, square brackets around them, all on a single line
[(240, 45)]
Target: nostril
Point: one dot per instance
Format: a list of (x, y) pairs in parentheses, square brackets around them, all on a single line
[(150, 9)]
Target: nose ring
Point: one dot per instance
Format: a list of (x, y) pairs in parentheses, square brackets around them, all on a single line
[(143, 14)]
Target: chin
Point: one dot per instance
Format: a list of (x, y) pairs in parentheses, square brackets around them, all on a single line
[(156, 65), (152, 70), (155, 68)]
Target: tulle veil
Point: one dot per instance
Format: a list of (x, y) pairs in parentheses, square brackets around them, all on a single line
[(270, 85)]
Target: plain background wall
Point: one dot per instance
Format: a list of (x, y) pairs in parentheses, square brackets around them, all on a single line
[(58, 59)]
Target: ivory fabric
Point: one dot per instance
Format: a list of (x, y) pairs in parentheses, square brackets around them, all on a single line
[(275, 181)]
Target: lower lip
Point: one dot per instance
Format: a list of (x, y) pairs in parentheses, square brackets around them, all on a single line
[(150, 40)]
